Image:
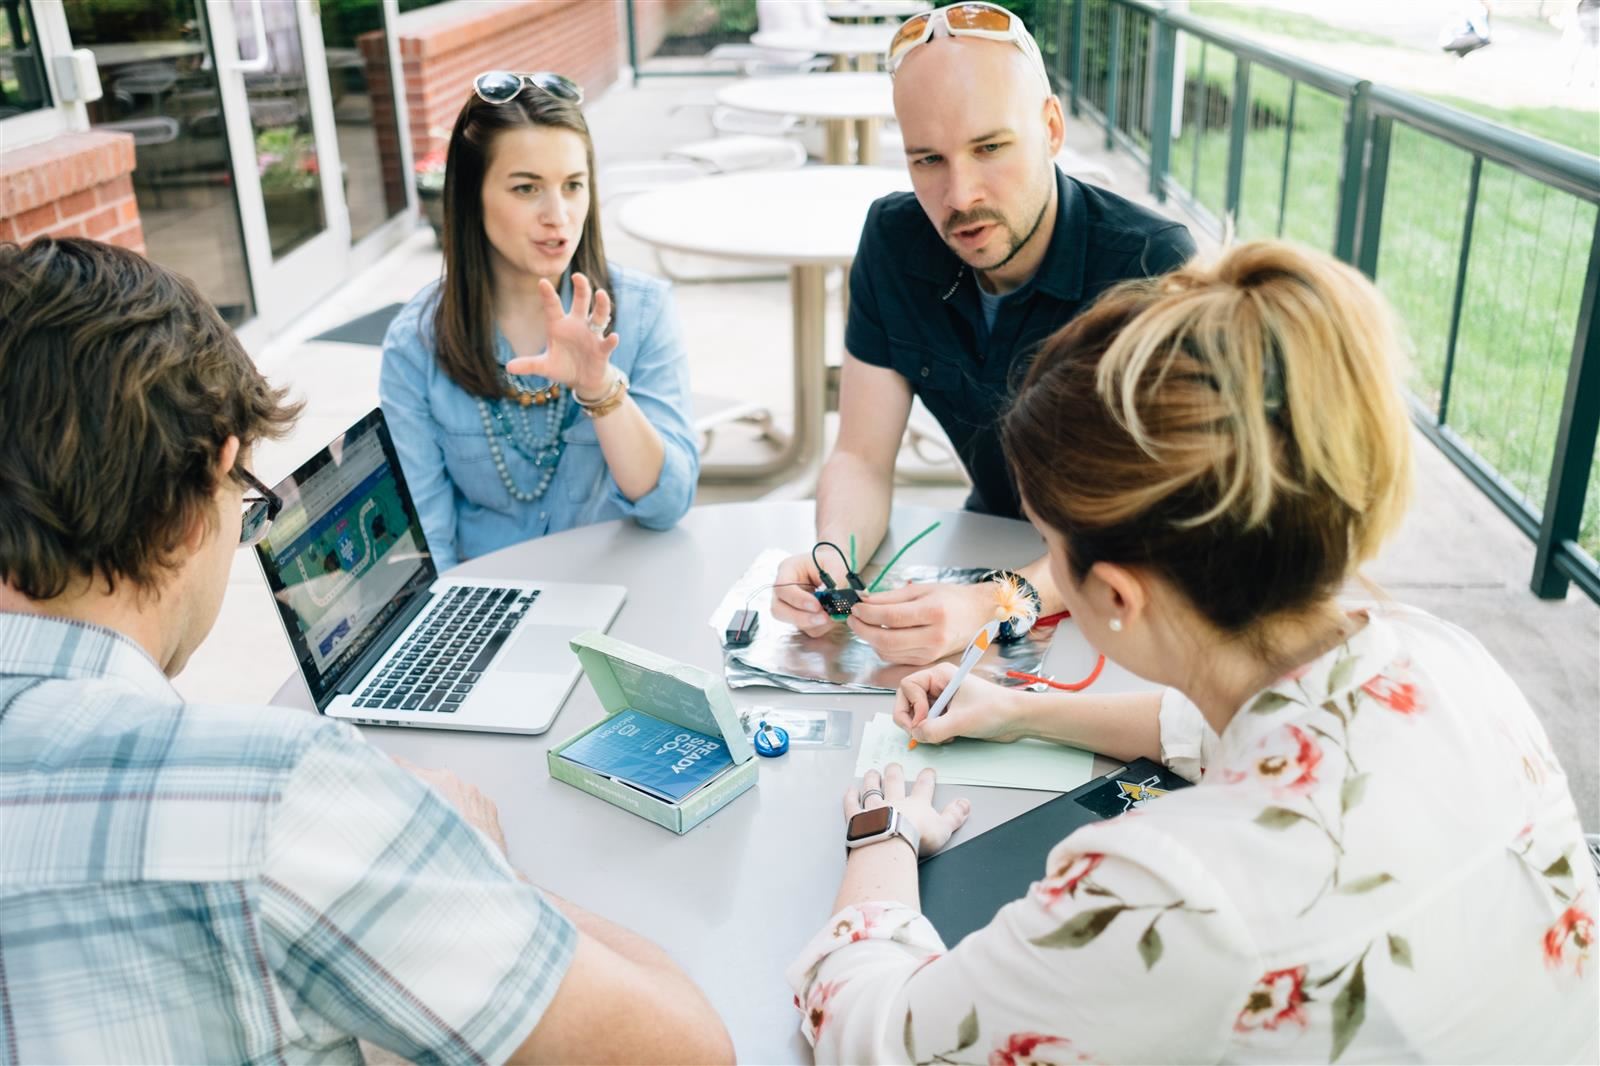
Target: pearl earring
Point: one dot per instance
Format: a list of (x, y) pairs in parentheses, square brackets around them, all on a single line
[(1116, 625)]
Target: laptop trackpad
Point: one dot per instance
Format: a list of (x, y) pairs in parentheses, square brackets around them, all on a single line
[(539, 650)]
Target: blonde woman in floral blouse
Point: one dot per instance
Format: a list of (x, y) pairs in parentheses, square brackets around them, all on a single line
[(1382, 861)]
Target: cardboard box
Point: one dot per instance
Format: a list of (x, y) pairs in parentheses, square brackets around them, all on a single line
[(626, 677)]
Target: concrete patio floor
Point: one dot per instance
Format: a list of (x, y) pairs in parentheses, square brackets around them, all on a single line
[(1457, 556)]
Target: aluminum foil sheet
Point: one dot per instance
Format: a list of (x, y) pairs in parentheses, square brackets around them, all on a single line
[(783, 657)]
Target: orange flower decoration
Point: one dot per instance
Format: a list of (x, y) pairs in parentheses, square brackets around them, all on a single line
[(1397, 695), (1276, 1000), (1065, 882), (1010, 601), (1573, 929), (1287, 760)]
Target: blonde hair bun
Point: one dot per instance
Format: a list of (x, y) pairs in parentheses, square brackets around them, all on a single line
[(1240, 415)]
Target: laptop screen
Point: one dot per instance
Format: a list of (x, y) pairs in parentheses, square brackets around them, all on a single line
[(346, 554)]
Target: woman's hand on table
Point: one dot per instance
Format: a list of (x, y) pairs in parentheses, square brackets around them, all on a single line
[(981, 709), (916, 803), (577, 355)]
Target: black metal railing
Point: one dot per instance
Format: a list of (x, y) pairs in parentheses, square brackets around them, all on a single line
[(1486, 240)]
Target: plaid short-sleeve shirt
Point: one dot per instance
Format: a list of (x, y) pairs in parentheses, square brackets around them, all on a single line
[(205, 884)]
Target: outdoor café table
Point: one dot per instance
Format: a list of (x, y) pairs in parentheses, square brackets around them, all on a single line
[(836, 99), (809, 219), (861, 10), (735, 899), (843, 43)]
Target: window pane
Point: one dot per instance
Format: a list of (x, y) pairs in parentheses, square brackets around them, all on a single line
[(363, 110), (280, 117), (160, 87), (23, 86)]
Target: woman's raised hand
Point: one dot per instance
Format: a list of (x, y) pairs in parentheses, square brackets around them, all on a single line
[(578, 352)]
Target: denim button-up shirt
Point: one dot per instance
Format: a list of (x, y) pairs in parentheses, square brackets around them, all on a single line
[(438, 430)]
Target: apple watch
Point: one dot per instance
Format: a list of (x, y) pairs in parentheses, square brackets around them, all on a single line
[(880, 823)]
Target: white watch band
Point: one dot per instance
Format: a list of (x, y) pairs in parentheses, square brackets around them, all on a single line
[(900, 827)]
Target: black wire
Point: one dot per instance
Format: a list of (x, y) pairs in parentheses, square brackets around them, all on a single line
[(843, 558), (784, 585)]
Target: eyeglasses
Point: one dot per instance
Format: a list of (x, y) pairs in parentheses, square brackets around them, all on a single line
[(259, 511), (975, 18), (503, 86)]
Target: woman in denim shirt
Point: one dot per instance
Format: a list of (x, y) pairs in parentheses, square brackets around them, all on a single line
[(534, 387)]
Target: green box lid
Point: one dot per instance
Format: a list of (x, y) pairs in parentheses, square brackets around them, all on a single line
[(626, 677)]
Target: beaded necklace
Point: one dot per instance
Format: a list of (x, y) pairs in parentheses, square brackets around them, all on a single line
[(543, 451)]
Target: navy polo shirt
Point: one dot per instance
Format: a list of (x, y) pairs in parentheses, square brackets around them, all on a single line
[(914, 307)]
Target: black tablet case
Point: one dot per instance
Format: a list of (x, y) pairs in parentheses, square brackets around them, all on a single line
[(963, 886)]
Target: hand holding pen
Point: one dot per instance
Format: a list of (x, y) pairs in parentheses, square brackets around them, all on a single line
[(939, 684)]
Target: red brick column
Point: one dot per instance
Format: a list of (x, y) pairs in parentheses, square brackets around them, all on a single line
[(443, 47), (374, 46), (73, 185), (650, 23)]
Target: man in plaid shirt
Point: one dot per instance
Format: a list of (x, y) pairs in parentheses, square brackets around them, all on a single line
[(204, 884)]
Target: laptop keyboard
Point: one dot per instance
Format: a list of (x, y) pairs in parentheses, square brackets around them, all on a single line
[(443, 658)]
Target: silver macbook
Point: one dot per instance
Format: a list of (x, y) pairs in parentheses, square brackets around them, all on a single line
[(381, 639)]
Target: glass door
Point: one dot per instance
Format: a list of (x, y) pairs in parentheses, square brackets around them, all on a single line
[(357, 46), (160, 87), (272, 76)]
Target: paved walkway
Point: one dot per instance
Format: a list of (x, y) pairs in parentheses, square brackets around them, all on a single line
[(1457, 556)]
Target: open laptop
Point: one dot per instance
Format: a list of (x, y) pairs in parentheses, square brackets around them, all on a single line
[(381, 639)]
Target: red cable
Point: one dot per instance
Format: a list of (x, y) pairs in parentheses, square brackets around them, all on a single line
[(1076, 686)]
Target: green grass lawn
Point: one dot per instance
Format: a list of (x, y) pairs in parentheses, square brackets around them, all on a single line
[(1562, 125), (1267, 19), (1525, 271)]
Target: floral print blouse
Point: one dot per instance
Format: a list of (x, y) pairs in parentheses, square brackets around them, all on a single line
[(1382, 862)]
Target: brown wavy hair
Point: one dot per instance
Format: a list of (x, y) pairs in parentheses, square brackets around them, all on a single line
[(119, 386), (1236, 427), (463, 321)]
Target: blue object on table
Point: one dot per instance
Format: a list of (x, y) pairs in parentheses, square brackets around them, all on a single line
[(662, 758), (771, 740)]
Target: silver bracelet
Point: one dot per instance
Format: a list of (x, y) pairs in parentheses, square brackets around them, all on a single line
[(611, 393)]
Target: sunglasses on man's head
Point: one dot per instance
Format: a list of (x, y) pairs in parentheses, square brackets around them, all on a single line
[(503, 86), (975, 18)]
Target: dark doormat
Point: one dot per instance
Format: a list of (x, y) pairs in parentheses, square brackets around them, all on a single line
[(368, 329)]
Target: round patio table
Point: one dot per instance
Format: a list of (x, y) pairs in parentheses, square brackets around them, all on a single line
[(861, 10), (837, 99), (735, 899), (844, 43), (808, 219)]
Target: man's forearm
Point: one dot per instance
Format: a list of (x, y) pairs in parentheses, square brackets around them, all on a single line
[(628, 944), (1038, 575), (853, 497)]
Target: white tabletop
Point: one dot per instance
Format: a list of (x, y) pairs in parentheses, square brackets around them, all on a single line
[(875, 9), (810, 216), (829, 41), (735, 899), (824, 96), (112, 55)]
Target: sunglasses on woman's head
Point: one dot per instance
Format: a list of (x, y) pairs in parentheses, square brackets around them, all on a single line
[(503, 86)]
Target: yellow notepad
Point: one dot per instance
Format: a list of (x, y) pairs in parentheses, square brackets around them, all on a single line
[(1035, 764)]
